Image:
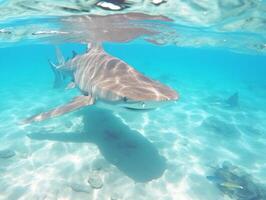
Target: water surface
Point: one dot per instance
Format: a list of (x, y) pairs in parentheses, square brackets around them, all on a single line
[(178, 151)]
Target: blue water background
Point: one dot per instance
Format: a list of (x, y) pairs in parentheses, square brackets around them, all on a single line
[(198, 131)]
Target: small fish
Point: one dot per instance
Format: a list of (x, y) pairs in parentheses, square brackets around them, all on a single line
[(231, 186), (158, 2), (109, 6), (5, 31)]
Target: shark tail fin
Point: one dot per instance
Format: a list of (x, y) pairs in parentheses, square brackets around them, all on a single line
[(58, 75), (59, 56)]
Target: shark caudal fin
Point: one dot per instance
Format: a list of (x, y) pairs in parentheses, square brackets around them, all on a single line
[(59, 56), (58, 75)]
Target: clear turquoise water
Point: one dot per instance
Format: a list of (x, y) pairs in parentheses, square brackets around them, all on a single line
[(162, 154)]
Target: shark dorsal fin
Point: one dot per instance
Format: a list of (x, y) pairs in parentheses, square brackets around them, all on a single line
[(95, 46)]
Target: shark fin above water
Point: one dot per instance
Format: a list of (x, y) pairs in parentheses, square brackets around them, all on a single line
[(76, 103)]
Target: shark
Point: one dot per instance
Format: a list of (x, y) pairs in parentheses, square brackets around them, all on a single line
[(106, 81)]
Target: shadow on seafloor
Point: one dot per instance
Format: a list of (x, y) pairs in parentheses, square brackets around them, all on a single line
[(123, 147)]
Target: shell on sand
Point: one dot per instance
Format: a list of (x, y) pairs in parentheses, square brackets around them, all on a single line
[(95, 180)]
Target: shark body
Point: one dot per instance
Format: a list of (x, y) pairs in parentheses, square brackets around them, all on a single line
[(107, 81)]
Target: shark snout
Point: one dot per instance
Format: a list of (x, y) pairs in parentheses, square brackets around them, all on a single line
[(166, 93)]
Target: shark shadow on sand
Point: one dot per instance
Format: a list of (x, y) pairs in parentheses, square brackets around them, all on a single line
[(123, 147)]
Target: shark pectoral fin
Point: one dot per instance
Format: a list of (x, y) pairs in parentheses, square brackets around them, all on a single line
[(76, 103), (71, 85)]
